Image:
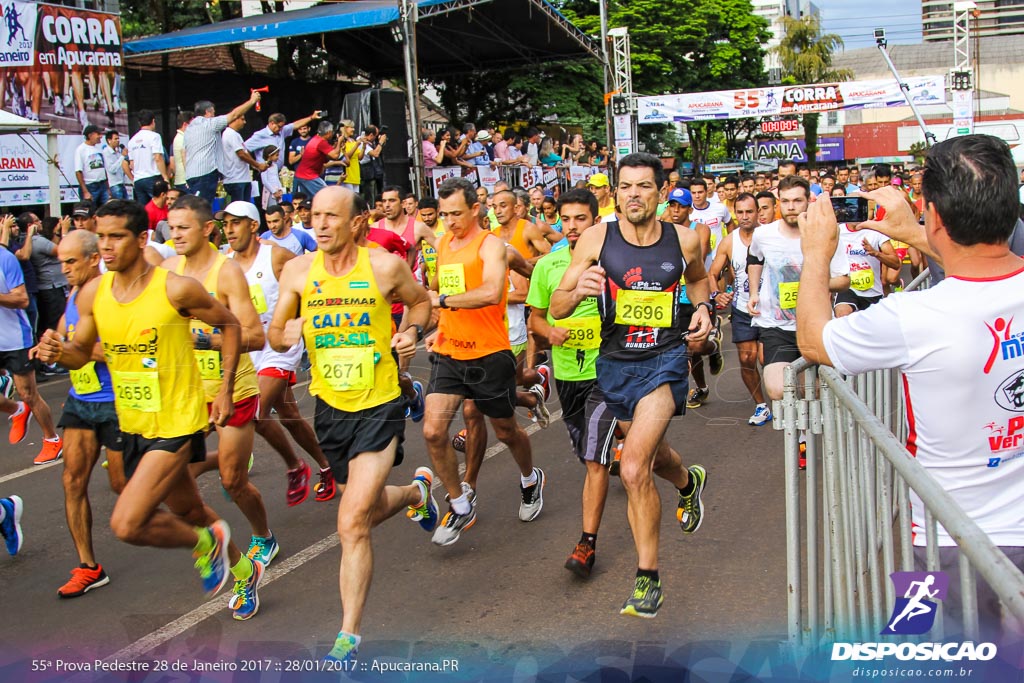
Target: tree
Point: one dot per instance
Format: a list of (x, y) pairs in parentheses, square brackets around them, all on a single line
[(806, 56)]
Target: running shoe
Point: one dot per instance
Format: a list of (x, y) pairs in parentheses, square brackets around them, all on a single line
[(533, 498), (10, 528), (545, 379), (416, 406), (690, 512), (50, 452), (345, 648), (19, 422), (715, 359), (459, 441), (697, 397), (425, 514), (325, 488), (6, 385), (762, 416), (452, 526), (245, 602), (645, 600), (298, 484), (613, 468), (83, 580), (540, 413), (803, 456), (263, 549), (213, 565), (581, 561)]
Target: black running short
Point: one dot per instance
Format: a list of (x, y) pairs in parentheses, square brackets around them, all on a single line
[(590, 423), (16, 362), (858, 302), (779, 345), (490, 381), (343, 435), (136, 447), (98, 417)]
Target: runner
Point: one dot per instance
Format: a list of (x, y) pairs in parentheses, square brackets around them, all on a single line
[(142, 314), (635, 267), (89, 420), (472, 357), (275, 372), (284, 235), (191, 226), (408, 226), (359, 412), (525, 236), (574, 344), (867, 251), (732, 254)]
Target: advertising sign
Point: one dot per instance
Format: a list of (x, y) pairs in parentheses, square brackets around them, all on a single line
[(788, 99), (829, 149), (62, 66)]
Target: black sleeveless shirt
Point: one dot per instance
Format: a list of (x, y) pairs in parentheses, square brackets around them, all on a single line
[(656, 268)]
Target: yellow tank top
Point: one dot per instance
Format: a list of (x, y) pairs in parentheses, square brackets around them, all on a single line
[(430, 254), (210, 361), (348, 336), (148, 349)]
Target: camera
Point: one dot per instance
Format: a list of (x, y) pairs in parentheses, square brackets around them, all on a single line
[(383, 130), (850, 209), (880, 37), (322, 113)]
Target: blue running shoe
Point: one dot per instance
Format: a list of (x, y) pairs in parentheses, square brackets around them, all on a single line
[(213, 565), (263, 549), (10, 528), (245, 602), (425, 514), (417, 406), (345, 648), (762, 415)]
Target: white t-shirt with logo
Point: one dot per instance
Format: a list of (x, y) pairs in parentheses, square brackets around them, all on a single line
[(865, 271), (89, 160), (716, 217), (964, 389), (780, 278)]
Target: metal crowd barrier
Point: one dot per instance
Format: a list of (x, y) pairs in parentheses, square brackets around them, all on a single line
[(854, 510)]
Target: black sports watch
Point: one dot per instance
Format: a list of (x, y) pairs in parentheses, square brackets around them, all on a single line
[(711, 309), (419, 331), (442, 301)]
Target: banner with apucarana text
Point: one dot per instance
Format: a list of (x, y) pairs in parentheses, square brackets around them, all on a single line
[(788, 99)]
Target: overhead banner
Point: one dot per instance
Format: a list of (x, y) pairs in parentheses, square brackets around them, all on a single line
[(829, 149), (788, 99)]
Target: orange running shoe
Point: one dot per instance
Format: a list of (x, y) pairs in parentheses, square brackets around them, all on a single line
[(52, 451), (19, 422), (83, 580)]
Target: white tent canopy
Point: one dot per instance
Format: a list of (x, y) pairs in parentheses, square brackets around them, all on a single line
[(12, 123)]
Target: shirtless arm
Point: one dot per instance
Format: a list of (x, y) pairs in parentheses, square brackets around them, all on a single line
[(697, 289), (285, 329), (535, 237), (77, 352), (234, 293), (278, 257), (584, 278)]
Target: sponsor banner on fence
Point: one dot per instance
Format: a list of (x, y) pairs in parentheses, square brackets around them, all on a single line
[(442, 173), (788, 99), (487, 177), (829, 149)]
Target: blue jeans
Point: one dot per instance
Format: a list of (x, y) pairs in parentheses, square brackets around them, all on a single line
[(204, 186), (144, 189), (118, 192), (100, 192), (239, 192), (308, 187)]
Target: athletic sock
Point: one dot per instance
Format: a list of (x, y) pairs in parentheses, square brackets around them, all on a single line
[(589, 539), (358, 639), (529, 481), (206, 541), (53, 440), (461, 505), (424, 492), (651, 574), (243, 570), (690, 485)]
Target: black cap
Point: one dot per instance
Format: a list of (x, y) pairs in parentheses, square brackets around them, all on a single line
[(83, 209)]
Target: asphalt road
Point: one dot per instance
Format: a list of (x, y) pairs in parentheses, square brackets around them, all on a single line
[(498, 603)]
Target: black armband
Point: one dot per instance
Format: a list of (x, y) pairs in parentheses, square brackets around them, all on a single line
[(753, 260)]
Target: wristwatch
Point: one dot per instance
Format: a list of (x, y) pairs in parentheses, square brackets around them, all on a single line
[(419, 331), (442, 301), (203, 341), (711, 309)]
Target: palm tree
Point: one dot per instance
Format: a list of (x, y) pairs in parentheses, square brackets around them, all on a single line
[(806, 56)]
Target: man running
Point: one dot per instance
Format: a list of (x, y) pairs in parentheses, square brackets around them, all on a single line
[(867, 251), (732, 254), (472, 356), (89, 420), (284, 235), (142, 314), (338, 300), (275, 372), (574, 344), (191, 225), (635, 267)]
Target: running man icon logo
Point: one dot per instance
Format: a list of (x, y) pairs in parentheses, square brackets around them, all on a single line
[(914, 613)]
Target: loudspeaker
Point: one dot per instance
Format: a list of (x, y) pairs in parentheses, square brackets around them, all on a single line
[(388, 109)]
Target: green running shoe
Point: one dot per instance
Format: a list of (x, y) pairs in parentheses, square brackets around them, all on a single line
[(645, 600), (690, 512)]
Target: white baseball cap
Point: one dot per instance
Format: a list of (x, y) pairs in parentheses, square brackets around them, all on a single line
[(243, 210)]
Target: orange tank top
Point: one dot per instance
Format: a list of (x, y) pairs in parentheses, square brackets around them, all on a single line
[(518, 239), (468, 333)]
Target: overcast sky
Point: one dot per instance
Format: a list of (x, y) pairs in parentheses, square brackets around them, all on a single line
[(855, 21)]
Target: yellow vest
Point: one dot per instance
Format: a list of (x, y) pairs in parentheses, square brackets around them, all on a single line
[(148, 348), (348, 337)]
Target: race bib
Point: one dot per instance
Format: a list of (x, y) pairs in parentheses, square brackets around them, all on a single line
[(643, 309), (584, 333), (346, 368), (259, 298), (137, 391), (787, 295), (209, 364), (85, 380), (862, 280), (451, 279), (714, 241)]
